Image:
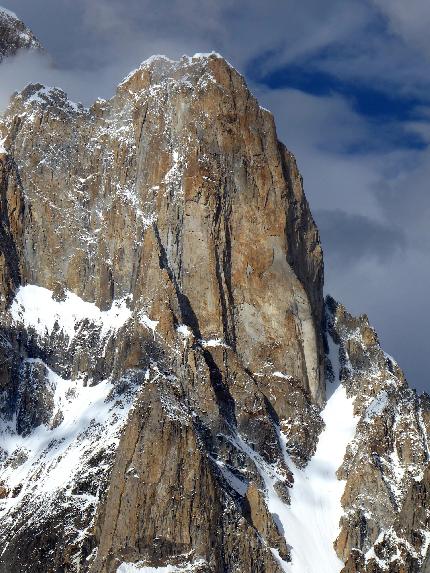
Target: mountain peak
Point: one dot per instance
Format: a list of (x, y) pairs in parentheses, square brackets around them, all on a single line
[(202, 68), (15, 35), (165, 349)]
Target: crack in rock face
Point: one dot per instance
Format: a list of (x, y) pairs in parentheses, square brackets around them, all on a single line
[(165, 349)]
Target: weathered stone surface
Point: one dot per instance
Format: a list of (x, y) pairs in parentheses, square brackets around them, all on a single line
[(162, 342), (174, 203), (386, 466), (177, 192)]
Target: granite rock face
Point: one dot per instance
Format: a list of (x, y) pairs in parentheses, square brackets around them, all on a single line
[(165, 346), (158, 245)]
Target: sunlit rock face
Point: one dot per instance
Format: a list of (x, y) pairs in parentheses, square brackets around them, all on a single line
[(158, 245), (165, 348)]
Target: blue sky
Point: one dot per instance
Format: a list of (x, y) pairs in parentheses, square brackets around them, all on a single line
[(349, 84)]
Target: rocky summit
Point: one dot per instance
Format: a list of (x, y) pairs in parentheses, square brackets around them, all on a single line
[(176, 394), (14, 35)]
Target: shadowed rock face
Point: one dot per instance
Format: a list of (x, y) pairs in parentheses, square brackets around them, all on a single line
[(14, 35), (162, 366)]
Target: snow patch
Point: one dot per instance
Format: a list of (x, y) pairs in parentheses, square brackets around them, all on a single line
[(173, 177), (184, 330), (35, 307), (205, 55), (213, 343), (145, 64), (136, 568), (239, 485), (311, 522), (377, 406), (146, 321), (282, 375)]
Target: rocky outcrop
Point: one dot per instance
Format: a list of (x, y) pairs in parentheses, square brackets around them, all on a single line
[(164, 349), (176, 187), (14, 35), (386, 522), (172, 245)]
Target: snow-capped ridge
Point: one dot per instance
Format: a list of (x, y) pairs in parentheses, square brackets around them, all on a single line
[(166, 66), (15, 35), (42, 96)]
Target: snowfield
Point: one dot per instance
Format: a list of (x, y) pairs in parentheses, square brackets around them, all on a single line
[(311, 522)]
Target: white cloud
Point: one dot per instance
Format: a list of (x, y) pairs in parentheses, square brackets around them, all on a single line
[(408, 20)]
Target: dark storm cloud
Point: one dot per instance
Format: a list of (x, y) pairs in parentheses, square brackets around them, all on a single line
[(348, 238), (349, 85)]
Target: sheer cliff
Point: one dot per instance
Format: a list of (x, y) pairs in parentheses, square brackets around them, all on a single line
[(165, 349)]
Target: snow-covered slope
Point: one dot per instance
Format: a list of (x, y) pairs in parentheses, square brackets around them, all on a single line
[(58, 440), (311, 522), (35, 308), (52, 457)]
